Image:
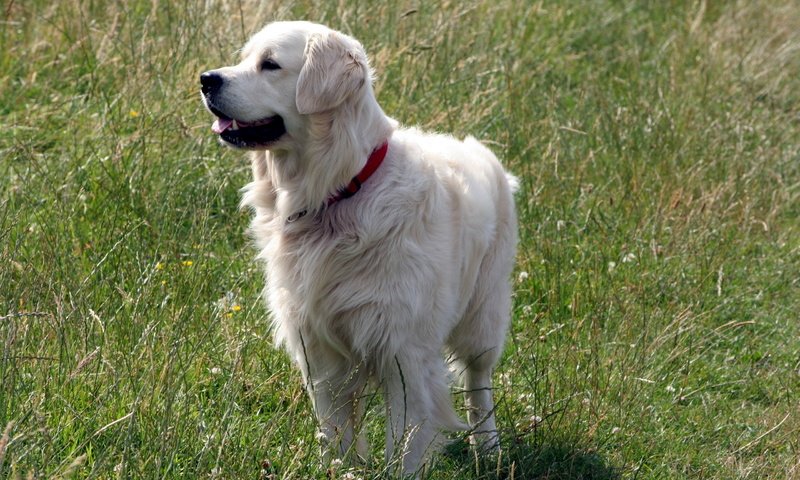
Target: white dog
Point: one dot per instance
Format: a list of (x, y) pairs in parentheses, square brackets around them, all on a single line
[(386, 248)]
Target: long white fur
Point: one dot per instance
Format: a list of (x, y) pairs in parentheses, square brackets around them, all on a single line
[(383, 285)]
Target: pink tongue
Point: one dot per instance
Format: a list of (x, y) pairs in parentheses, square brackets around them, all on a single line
[(221, 124)]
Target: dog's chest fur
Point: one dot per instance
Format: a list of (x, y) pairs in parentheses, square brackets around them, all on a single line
[(374, 270)]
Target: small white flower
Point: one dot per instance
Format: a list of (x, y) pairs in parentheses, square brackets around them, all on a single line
[(629, 257), (561, 225), (216, 370), (522, 277), (527, 310), (611, 266), (670, 389), (526, 399), (336, 462), (349, 476), (227, 301), (615, 430)]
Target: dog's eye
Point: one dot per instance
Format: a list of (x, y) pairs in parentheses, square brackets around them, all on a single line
[(269, 65)]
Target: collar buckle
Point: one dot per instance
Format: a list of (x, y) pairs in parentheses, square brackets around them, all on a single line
[(296, 216)]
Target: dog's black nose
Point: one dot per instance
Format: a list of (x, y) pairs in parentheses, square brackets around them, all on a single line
[(210, 82)]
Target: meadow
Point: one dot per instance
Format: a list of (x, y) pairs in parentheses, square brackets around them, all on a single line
[(655, 329)]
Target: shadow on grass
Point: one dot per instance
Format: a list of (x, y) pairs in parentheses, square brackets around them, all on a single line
[(521, 460)]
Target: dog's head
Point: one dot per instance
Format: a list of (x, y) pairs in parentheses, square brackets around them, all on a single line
[(288, 72)]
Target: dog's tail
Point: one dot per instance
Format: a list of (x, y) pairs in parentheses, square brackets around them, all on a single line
[(441, 399), (513, 183), (444, 413)]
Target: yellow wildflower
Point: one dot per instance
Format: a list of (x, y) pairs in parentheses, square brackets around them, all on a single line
[(187, 263)]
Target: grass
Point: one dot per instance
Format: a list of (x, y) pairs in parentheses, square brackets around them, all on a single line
[(657, 292)]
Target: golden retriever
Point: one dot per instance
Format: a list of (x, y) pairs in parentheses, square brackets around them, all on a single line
[(386, 249)]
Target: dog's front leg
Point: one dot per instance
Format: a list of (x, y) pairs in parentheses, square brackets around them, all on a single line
[(417, 406), (335, 389), (338, 416)]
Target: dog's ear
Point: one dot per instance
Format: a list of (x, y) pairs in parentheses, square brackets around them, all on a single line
[(334, 68)]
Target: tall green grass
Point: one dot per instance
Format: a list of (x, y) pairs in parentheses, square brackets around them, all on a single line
[(657, 293)]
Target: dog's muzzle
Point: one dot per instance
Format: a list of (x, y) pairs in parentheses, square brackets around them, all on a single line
[(254, 134)]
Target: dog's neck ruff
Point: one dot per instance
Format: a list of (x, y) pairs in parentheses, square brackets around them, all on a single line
[(373, 162)]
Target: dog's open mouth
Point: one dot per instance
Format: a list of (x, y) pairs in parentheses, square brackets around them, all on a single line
[(259, 133)]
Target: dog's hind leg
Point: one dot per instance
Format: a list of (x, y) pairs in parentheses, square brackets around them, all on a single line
[(477, 347), (480, 405), (477, 343)]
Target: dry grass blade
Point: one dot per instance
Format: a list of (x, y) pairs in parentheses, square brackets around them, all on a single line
[(4, 441)]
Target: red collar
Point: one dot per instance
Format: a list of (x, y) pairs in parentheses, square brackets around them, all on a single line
[(373, 162)]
